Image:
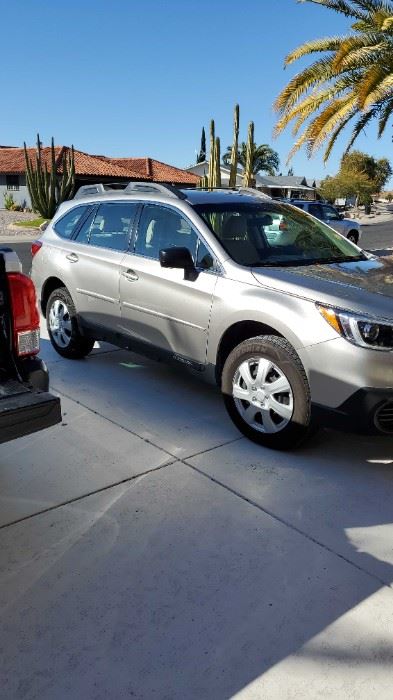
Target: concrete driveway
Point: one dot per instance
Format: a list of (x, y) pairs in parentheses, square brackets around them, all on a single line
[(148, 551)]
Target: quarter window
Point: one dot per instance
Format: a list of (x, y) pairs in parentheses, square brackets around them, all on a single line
[(66, 226), (204, 259), (161, 227), (111, 226)]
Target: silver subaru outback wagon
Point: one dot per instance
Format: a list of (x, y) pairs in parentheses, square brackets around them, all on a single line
[(296, 330)]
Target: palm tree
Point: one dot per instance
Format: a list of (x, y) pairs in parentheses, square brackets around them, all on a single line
[(353, 80), (265, 159)]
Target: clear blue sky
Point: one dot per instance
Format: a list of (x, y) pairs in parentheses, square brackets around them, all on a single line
[(141, 77)]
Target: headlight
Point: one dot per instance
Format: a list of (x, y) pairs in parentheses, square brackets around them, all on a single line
[(360, 330)]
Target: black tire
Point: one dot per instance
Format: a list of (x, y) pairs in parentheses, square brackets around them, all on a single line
[(283, 356), (353, 236), (77, 346)]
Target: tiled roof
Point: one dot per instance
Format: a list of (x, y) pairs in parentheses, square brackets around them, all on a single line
[(12, 161), (151, 169)]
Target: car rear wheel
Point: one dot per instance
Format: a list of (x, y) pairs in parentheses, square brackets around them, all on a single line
[(266, 392), (63, 328), (353, 236)]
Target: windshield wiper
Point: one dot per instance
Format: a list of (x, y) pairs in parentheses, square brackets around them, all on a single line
[(306, 261)]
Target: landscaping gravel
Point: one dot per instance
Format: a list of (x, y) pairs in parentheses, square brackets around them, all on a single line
[(9, 217)]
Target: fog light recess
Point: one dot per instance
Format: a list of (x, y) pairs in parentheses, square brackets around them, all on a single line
[(383, 418)]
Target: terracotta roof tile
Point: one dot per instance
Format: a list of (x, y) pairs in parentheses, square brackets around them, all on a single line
[(12, 160), (156, 170)]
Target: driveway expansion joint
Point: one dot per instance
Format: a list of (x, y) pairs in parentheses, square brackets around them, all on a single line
[(288, 524), (70, 501)]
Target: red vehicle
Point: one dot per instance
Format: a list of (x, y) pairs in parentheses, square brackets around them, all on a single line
[(25, 404)]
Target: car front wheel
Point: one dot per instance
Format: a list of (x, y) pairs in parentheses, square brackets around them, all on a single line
[(353, 236), (266, 392), (63, 328)]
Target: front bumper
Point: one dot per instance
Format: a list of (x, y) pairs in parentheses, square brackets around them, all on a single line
[(367, 411)]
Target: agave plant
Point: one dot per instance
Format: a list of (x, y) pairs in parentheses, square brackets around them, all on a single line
[(352, 80)]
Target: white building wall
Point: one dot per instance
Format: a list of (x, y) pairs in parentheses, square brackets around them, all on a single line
[(20, 196)]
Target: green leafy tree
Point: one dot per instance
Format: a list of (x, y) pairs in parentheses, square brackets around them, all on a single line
[(201, 157), (378, 171), (383, 173), (345, 184), (264, 158), (352, 80)]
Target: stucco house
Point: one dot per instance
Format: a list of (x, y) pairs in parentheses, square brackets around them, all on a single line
[(88, 169), (287, 186)]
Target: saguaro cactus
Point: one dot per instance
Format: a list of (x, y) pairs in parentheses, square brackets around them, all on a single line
[(217, 163), (248, 178), (212, 163), (235, 148), (48, 189)]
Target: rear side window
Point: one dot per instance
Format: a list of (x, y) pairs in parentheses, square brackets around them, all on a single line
[(315, 210), (111, 226), (66, 226)]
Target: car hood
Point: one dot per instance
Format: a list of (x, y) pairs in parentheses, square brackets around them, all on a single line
[(364, 286)]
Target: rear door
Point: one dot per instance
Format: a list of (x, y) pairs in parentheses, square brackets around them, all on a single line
[(94, 258), (167, 308)]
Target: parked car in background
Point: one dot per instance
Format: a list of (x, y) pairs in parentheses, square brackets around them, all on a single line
[(292, 329), (25, 404), (329, 214)]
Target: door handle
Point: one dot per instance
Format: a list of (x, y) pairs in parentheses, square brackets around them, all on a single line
[(130, 275), (72, 257)]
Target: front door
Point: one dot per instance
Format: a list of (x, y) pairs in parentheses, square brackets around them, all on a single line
[(94, 259), (167, 308), (331, 216)]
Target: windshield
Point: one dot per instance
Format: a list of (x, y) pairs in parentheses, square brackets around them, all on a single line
[(275, 234)]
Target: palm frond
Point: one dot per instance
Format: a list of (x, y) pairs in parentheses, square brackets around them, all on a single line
[(332, 43), (341, 6), (353, 79), (385, 113), (359, 126), (326, 122), (381, 92), (337, 131), (370, 81), (352, 45), (319, 72)]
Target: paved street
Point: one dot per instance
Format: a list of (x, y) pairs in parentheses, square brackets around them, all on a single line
[(148, 550)]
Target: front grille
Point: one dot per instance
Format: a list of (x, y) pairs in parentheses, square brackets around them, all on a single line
[(384, 417)]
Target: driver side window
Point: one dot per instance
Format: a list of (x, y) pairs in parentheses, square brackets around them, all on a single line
[(161, 227), (330, 214)]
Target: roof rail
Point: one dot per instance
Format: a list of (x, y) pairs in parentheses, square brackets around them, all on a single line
[(99, 188), (129, 188), (254, 192), (169, 190)]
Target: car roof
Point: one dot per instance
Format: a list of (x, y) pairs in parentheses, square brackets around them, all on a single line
[(220, 197)]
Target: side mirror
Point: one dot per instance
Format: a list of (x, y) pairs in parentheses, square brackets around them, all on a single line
[(176, 257), (341, 217)]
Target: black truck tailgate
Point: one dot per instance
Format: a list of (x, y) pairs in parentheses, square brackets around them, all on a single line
[(24, 411)]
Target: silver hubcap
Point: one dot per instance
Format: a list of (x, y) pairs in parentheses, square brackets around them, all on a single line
[(60, 323), (263, 395)]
